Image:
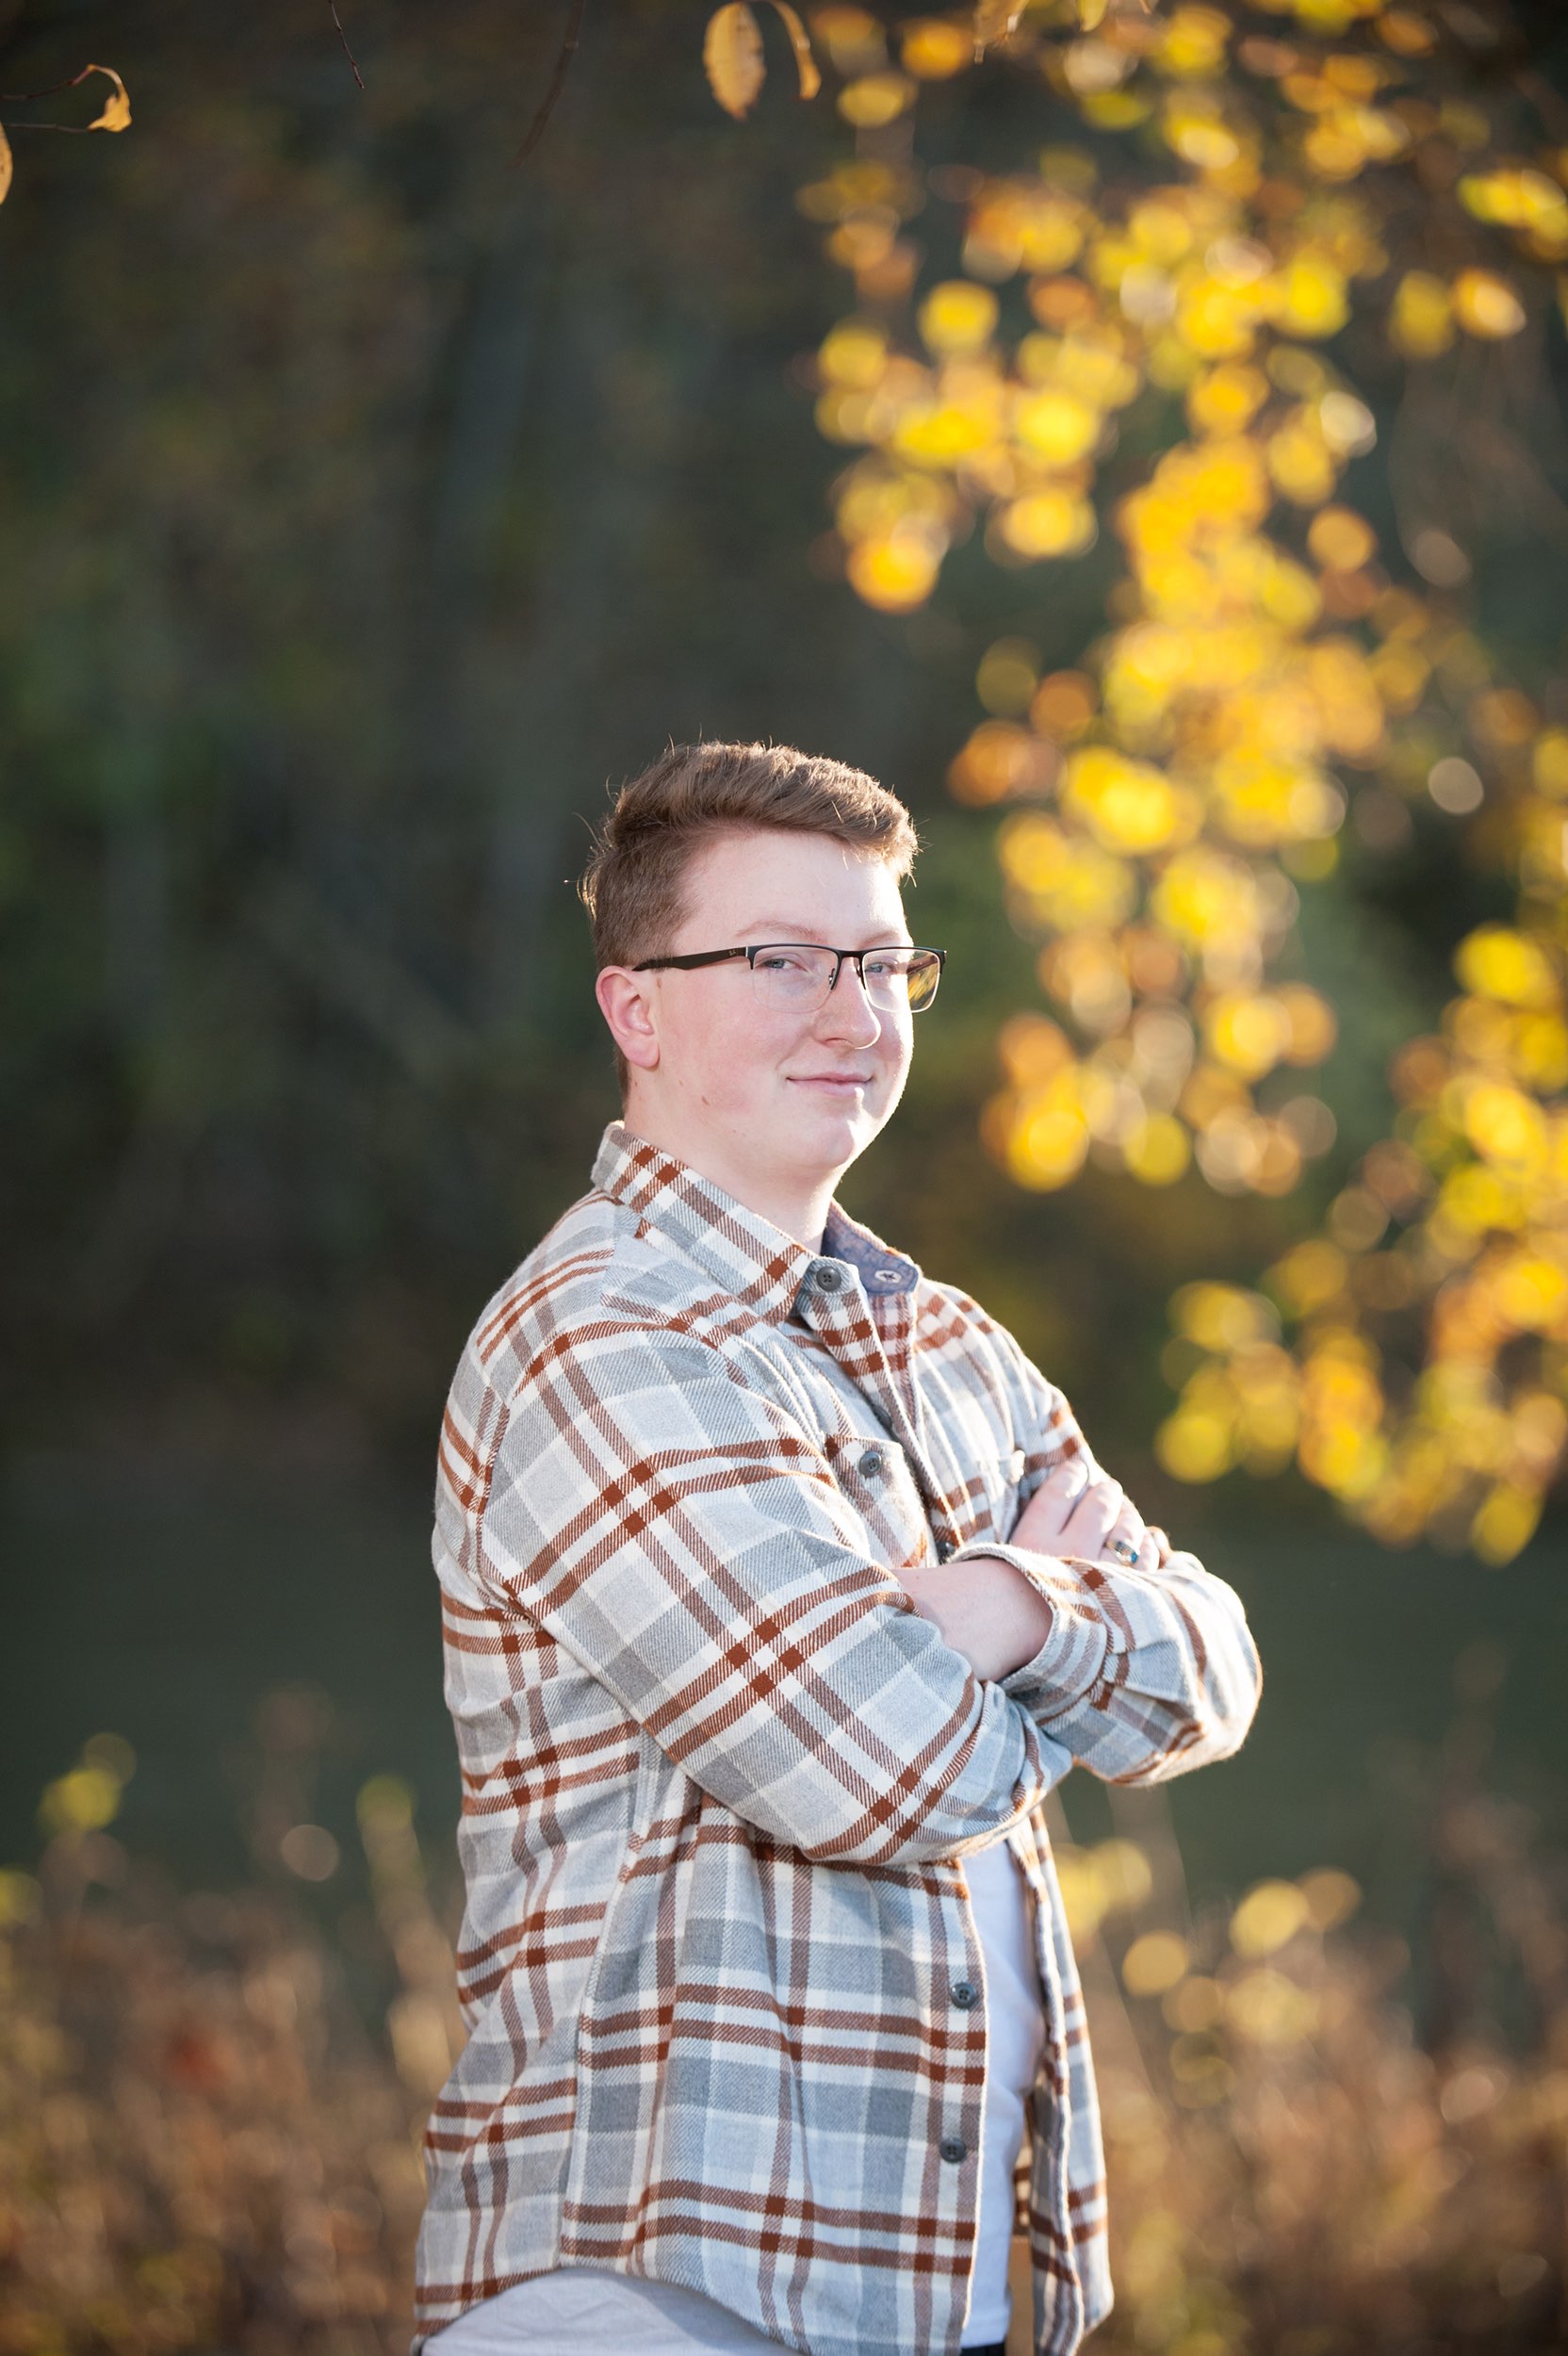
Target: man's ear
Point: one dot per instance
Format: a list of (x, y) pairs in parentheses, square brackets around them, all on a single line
[(626, 1003)]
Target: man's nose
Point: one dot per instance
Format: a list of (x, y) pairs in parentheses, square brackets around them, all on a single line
[(847, 1012)]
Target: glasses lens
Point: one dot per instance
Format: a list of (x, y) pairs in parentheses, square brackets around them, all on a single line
[(922, 973), (800, 975), (792, 976), (889, 977)]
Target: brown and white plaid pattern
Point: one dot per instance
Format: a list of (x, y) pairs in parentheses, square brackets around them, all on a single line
[(718, 1962)]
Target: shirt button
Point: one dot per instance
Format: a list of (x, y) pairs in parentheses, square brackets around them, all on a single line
[(827, 1278), (965, 1994), (954, 2148), (870, 1465), (944, 1548)]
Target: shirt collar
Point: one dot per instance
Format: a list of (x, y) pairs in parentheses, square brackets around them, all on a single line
[(738, 1249)]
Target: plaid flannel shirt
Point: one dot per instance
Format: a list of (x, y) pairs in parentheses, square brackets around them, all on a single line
[(718, 1962)]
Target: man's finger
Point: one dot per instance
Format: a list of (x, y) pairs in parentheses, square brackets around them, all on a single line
[(1098, 1510)]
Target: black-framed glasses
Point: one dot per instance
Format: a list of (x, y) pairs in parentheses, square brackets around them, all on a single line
[(803, 974)]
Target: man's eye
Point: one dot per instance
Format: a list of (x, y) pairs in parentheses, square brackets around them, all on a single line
[(892, 961), (781, 961)]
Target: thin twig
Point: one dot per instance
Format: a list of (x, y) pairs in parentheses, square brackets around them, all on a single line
[(22, 97), (343, 37), (562, 63)]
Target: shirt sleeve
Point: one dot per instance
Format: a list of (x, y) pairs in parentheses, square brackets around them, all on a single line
[(681, 1536), (1145, 1674)]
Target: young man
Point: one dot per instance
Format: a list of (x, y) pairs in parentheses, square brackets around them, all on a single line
[(779, 1590)]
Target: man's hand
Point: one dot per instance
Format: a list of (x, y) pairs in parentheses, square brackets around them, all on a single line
[(983, 1609), (1091, 1517), (990, 1613)]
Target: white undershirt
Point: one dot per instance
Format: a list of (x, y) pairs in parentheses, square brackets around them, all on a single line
[(578, 2310), (1014, 2033), (584, 2308)]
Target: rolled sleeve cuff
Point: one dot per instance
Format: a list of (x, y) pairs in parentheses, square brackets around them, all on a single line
[(1071, 1666)]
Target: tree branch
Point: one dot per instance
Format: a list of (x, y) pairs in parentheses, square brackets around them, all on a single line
[(562, 65), (353, 62)]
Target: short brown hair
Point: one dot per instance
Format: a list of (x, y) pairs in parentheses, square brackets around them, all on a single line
[(631, 887)]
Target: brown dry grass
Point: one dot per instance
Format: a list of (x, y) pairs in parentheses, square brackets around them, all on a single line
[(206, 2145)]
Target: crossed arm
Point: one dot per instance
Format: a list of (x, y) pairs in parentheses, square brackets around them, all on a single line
[(681, 1537), (1137, 1661), (994, 1615)]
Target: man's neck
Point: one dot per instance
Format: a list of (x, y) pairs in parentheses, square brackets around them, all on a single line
[(797, 1207)]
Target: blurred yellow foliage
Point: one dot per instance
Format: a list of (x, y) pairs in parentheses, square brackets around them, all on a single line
[(1421, 322), (1155, 1963), (1261, 676), (1114, 1879), (87, 1798), (1268, 1917), (934, 48), (1487, 305)]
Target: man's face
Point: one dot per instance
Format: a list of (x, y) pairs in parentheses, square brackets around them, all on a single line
[(789, 1096)]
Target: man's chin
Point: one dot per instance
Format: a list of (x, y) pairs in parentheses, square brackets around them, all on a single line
[(833, 1136)]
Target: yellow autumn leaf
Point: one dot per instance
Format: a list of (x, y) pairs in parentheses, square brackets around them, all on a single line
[(5, 167), (1486, 305), (1091, 13), (993, 21), (805, 65), (116, 111), (732, 58), (933, 48)]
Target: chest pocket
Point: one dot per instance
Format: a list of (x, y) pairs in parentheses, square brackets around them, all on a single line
[(874, 1475)]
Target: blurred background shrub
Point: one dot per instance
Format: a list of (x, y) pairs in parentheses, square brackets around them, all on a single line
[(210, 2106)]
